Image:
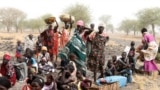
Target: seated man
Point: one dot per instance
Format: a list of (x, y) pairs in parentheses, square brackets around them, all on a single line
[(7, 69), (111, 66), (124, 68)]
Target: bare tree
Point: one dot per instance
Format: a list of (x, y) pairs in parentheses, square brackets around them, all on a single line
[(11, 17)]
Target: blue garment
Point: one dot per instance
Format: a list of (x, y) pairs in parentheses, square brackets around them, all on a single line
[(33, 61), (127, 73), (111, 79)]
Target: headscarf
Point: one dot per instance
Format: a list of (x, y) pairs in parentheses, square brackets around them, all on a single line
[(101, 25), (80, 23), (44, 48), (7, 57)]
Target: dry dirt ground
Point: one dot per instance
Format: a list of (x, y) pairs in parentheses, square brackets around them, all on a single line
[(115, 46)]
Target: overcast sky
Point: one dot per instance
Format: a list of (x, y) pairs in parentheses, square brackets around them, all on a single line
[(118, 9)]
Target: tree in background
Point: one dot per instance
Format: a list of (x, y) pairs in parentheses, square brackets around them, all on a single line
[(11, 17), (106, 19), (129, 25), (37, 23), (80, 12), (149, 16)]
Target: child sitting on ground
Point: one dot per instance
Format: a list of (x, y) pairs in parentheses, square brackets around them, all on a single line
[(45, 67), (50, 84)]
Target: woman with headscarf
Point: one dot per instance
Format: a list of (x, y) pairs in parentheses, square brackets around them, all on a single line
[(66, 33), (149, 52), (97, 57), (7, 69), (76, 45)]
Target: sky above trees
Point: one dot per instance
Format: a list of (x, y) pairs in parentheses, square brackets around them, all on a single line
[(117, 9)]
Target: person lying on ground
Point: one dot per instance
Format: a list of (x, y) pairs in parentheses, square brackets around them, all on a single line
[(122, 81), (7, 69)]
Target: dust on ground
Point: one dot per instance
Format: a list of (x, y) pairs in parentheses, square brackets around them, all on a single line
[(115, 46)]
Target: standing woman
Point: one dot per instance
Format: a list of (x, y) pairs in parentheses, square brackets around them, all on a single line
[(55, 41), (65, 34), (149, 52), (97, 57)]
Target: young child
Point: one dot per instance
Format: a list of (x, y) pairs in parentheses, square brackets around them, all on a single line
[(111, 66), (37, 84), (19, 50), (131, 56), (50, 84), (45, 67)]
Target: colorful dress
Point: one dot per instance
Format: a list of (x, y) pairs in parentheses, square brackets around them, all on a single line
[(56, 43), (64, 37), (76, 46), (9, 71), (97, 58), (47, 40), (150, 53)]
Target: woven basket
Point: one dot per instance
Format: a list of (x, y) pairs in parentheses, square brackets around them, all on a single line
[(66, 18), (49, 20), (112, 86)]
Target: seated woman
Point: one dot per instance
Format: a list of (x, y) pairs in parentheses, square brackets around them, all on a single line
[(112, 79), (7, 69), (45, 66), (83, 83), (50, 84)]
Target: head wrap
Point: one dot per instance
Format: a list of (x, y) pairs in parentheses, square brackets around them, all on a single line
[(80, 23), (7, 57), (101, 25), (44, 48)]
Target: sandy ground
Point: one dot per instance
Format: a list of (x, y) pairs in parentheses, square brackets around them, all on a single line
[(114, 46)]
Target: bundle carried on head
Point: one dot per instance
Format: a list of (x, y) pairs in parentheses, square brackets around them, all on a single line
[(50, 20), (67, 18)]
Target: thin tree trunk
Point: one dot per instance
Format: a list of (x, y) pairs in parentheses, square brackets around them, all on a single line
[(16, 29), (134, 31), (7, 28), (153, 30)]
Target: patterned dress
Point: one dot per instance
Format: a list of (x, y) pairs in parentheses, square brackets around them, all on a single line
[(97, 58)]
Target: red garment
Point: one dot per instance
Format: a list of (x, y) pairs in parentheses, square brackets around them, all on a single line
[(9, 70), (64, 37), (47, 39), (56, 43)]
